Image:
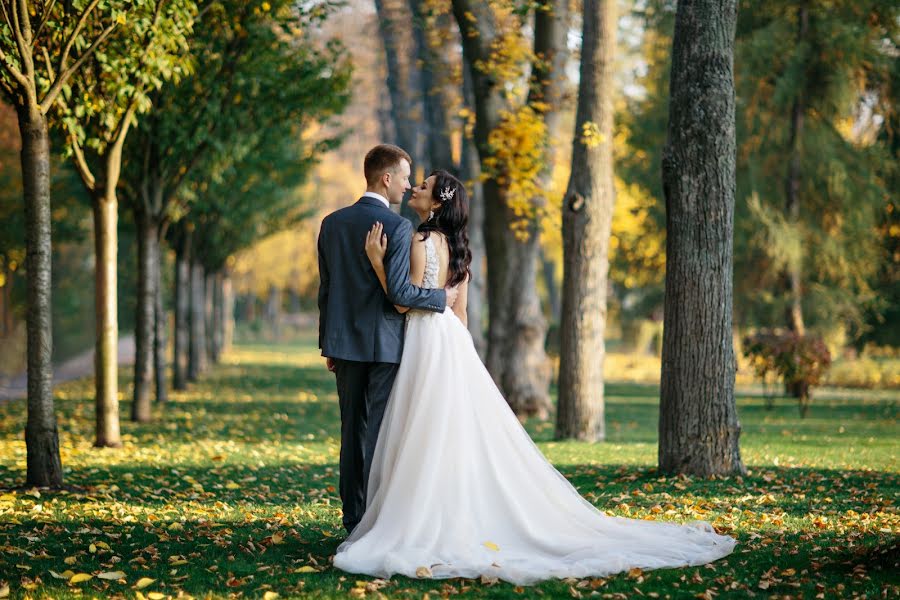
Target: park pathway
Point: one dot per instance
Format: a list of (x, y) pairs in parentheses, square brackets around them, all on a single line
[(78, 366)]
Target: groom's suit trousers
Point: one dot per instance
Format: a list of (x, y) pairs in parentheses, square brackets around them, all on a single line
[(363, 391)]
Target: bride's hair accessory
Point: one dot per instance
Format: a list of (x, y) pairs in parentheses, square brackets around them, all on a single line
[(430, 215), (447, 194)]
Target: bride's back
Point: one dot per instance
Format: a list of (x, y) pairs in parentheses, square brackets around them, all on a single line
[(437, 251)]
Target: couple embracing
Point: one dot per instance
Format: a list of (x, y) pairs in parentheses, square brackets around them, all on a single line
[(437, 476)]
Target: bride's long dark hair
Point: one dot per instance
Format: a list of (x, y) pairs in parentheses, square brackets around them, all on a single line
[(451, 219)]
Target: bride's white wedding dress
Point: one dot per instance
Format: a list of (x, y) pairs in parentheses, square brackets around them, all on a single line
[(458, 487)]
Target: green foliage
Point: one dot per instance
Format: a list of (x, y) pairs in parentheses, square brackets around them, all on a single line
[(149, 47), (261, 136), (841, 71), (232, 490), (799, 361)]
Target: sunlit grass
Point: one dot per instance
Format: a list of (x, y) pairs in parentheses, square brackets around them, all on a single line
[(231, 492)]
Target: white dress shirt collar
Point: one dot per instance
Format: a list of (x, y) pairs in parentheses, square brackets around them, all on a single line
[(378, 197)]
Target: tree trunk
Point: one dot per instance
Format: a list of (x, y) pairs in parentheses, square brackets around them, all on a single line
[(43, 465), (471, 174), (428, 34), (227, 313), (197, 362), (397, 74), (106, 355), (161, 337), (182, 311), (526, 368), (218, 317), (209, 312), (554, 299), (7, 299), (145, 321), (587, 219), (698, 423), (794, 274)]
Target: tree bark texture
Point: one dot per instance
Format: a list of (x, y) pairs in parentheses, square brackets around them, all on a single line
[(182, 312), (698, 422), (587, 219), (227, 313), (209, 311), (197, 363), (145, 321), (160, 337), (43, 465), (106, 352)]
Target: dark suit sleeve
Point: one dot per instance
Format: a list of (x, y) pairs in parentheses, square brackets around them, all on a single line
[(396, 266), (323, 285)]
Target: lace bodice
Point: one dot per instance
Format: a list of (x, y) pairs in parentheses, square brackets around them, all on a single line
[(432, 264)]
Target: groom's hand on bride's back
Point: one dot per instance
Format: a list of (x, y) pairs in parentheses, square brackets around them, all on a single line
[(452, 293)]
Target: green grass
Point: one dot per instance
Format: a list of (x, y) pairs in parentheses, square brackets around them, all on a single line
[(231, 493)]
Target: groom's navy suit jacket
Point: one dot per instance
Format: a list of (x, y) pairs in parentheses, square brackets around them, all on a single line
[(357, 320)]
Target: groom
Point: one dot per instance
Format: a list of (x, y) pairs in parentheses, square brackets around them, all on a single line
[(360, 333)]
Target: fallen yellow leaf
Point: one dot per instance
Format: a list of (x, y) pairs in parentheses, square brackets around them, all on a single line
[(270, 595), (306, 569), (143, 582), (111, 575), (492, 546), (156, 596), (80, 577), (4, 590), (277, 538), (70, 560)]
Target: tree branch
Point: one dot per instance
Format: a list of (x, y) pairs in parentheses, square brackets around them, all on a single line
[(6, 14), (49, 63), (78, 27), (20, 40), (61, 79), (81, 163), (44, 18), (16, 73), (26, 24)]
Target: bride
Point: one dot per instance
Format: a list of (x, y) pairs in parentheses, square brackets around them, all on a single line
[(457, 487)]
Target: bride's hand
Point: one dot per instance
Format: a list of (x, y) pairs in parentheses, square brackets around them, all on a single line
[(376, 244)]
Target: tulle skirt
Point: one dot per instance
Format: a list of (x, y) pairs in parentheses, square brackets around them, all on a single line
[(458, 488)]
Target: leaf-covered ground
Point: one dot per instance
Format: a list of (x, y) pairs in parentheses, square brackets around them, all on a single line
[(231, 493)]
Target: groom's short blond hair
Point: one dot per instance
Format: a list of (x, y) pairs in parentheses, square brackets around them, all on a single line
[(381, 159)]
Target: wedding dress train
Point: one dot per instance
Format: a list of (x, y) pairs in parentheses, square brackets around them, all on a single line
[(458, 488)]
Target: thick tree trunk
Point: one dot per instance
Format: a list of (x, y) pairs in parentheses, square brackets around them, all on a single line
[(161, 331), (227, 313), (698, 423), (794, 273), (198, 356), (106, 355), (182, 311), (145, 321), (587, 219), (526, 367), (43, 465)]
